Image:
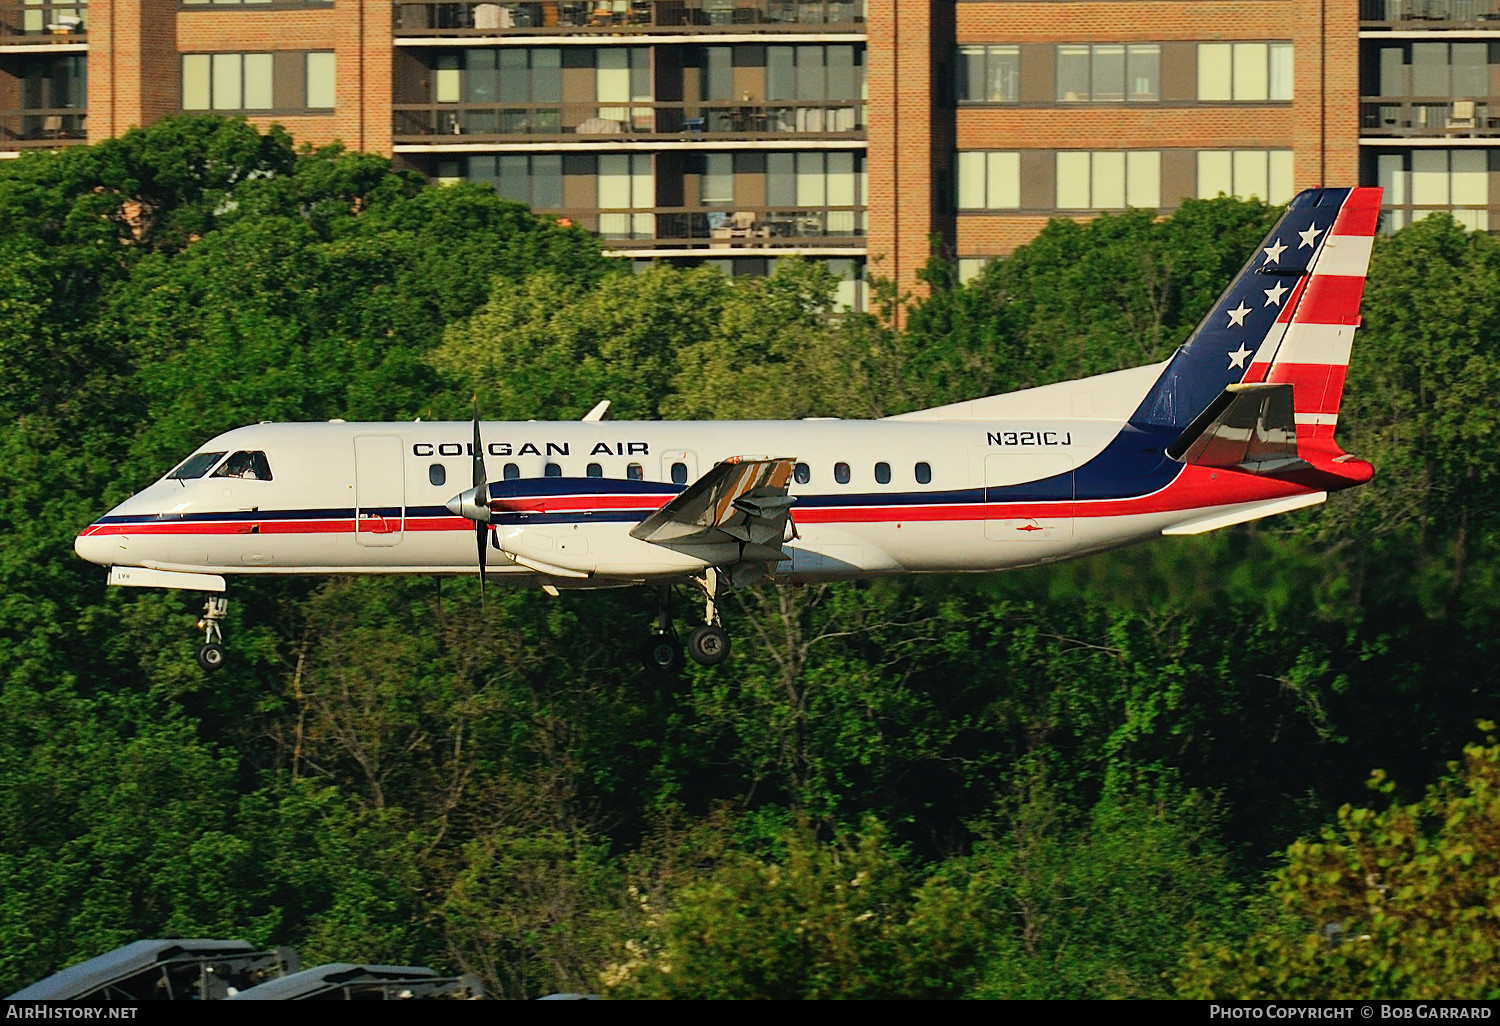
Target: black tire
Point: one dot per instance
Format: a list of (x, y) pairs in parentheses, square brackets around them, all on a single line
[(708, 645), (662, 655), (211, 657)]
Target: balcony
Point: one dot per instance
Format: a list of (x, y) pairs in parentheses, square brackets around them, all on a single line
[(1429, 14), (617, 17), (761, 228), (42, 128), (1431, 117), (437, 124), (40, 24)]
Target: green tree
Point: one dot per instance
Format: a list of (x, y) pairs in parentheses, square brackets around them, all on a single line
[(843, 918), (1402, 903)]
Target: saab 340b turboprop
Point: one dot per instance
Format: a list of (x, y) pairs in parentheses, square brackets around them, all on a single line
[(1238, 424)]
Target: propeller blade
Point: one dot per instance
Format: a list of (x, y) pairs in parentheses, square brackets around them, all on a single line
[(481, 501)]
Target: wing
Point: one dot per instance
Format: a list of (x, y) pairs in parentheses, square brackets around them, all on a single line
[(742, 500)]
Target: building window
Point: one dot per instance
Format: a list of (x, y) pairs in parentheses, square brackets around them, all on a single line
[(970, 268), (1108, 179), (1428, 180), (988, 74), (285, 80), (626, 183), (989, 180), (321, 80), (1434, 69), (226, 81), (1266, 174), (810, 182), (53, 84), (823, 87), (814, 73), (716, 187), (533, 179), (1245, 71), (1109, 72)]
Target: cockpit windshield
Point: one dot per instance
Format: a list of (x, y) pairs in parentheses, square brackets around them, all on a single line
[(195, 466), (252, 466)]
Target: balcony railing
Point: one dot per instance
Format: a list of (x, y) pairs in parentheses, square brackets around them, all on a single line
[(43, 23), (722, 228), (42, 128), (435, 123), (433, 18), (1423, 13), (1423, 116)]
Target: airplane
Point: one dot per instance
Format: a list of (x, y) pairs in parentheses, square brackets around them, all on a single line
[(1236, 425)]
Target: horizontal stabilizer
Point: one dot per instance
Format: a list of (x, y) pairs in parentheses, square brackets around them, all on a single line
[(743, 501), (1251, 428)]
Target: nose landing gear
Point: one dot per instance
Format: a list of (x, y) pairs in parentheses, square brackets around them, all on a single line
[(211, 656)]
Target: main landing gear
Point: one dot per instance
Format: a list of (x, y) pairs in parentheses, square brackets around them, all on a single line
[(707, 645), (211, 655)]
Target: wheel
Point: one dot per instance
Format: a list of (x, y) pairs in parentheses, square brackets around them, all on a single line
[(211, 657), (662, 654), (709, 645)]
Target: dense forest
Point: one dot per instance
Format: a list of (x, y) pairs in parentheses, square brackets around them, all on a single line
[(1258, 763)]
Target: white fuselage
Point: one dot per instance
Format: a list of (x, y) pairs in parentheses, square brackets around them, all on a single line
[(918, 496)]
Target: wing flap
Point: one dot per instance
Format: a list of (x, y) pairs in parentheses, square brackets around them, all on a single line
[(741, 500)]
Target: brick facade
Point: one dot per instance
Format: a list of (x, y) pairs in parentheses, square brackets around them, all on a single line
[(915, 126)]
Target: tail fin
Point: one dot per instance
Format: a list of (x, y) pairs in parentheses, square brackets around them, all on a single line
[(1309, 346), (1288, 319)]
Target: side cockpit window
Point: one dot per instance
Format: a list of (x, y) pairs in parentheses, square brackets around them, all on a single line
[(195, 466), (252, 466)]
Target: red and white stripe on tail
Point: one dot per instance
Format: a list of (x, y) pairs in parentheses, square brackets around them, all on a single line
[(1309, 346)]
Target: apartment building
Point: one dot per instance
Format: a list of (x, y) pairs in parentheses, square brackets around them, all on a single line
[(864, 133)]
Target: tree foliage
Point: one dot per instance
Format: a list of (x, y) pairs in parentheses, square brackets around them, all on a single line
[(1402, 904), (1068, 781)]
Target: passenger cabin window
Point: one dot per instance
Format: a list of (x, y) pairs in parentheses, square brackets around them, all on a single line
[(679, 473), (252, 466), (634, 472), (195, 466), (552, 470), (882, 473), (841, 473), (924, 474), (512, 472), (594, 470), (801, 474), (437, 474)]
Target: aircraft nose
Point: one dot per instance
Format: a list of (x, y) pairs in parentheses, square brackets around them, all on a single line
[(105, 550)]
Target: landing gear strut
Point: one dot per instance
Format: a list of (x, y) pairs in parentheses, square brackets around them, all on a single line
[(708, 645), (662, 653), (211, 655)]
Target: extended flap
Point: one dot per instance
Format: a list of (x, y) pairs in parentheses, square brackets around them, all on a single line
[(743, 500)]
